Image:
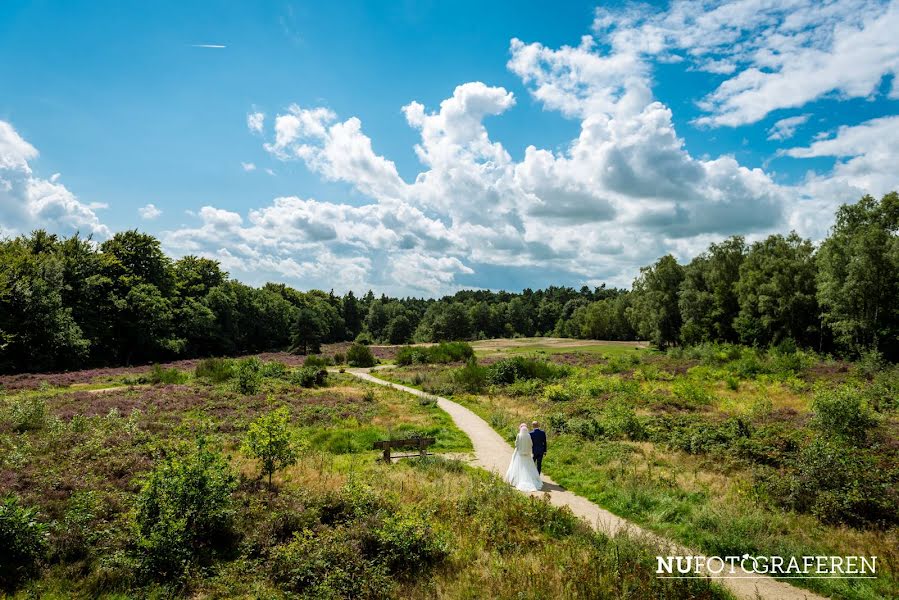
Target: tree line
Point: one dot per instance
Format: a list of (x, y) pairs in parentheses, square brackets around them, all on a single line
[(69, 303)]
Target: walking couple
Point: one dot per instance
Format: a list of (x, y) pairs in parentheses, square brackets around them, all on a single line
[(527, 461)]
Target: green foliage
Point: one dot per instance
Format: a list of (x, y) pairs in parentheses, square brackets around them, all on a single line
[(160, 375), (471, 378), (184, 512), (837, 483), (308, 331), (308, 377), (359, 355), (692, 393), (407, 543), (444, 352), (23, 543), (26, 413), (269, 439), (339, 358), (217, 370), (516, 368), (317, 360), (654, 312), (248, 375), (557, 392), (274, 370), (620, 363), (842, 412)]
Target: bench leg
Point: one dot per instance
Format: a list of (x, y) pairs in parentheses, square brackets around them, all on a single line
[(387, 455)]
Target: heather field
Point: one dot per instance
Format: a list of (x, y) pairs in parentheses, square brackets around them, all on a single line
[(725, 448), (154, 482)]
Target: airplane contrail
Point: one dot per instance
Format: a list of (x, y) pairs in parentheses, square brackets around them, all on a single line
[(207, 46)]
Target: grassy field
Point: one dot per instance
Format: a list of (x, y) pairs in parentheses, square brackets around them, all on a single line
[(555, 346), (148, 490), (725, 449)]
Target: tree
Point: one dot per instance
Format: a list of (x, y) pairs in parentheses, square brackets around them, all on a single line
[(376, 320), (399, 330), (268, 439), (776, 292), (858, 276), (654, 312), (352, 315), (195, 276), (359, 355), (308, 330), (708, 299)]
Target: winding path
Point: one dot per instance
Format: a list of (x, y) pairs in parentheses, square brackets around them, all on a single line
[(491, 452)]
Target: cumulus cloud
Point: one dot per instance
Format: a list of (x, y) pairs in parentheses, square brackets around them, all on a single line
[(149, 212), (248, 166), (776, 54), (28, 201)]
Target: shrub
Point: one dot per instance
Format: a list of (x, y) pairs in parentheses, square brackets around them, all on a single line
[(248, 375), (692, 393), (842, 412), (837, 483), (557, 393), (359, 355), (620, 363), (331, 565), (184, 511), (408, 355), (274, 370), (316, 360), (27, 414), (216, 370), (364, 338), (339, 358), (23, 542), (472, 377), (620, 421), (509, 370), (407, 543), (159, 375), (308, 377), (442, 353), (268, 439)]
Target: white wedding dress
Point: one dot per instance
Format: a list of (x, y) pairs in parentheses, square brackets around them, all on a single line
[(522, 473)]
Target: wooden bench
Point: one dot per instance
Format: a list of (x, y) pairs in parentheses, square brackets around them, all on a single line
[(417, 443)]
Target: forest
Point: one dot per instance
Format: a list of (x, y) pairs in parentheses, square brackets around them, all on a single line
[(71, 303)]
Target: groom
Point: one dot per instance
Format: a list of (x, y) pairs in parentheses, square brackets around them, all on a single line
[(538, 440)]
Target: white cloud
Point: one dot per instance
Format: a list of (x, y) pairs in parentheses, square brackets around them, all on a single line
[(248, 166), (779, 55), (786, 128), (149, 212), (28, 201), (256, 122)]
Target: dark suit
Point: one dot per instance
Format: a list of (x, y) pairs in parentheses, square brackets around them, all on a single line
[(538, 440)]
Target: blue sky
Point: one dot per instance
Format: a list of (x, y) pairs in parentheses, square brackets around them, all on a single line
[(290, 153)]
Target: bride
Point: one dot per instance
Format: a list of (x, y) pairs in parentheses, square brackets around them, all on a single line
[(522, 471)]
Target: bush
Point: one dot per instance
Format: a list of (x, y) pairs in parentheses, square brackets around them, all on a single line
[(360, 356), (620, 421), (308, 377), (331, 565), (510, 370), (472, 378), (557, 393), (364, 338), (620, 363), (274, 370), (27, 414), (692, 393), (339, 358), (268, 439), (216, 370), (442, 353), (837, 483), (407, 543), (159, 375), (317, 360), (184, 512), (249, 375), (23, 543), (842, 412)]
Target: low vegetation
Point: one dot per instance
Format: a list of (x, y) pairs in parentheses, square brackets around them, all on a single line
[(723, 447)]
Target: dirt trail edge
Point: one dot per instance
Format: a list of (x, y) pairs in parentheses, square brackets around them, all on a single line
[(492, 453)]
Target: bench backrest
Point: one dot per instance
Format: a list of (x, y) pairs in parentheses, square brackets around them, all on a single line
[(406, 443)]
